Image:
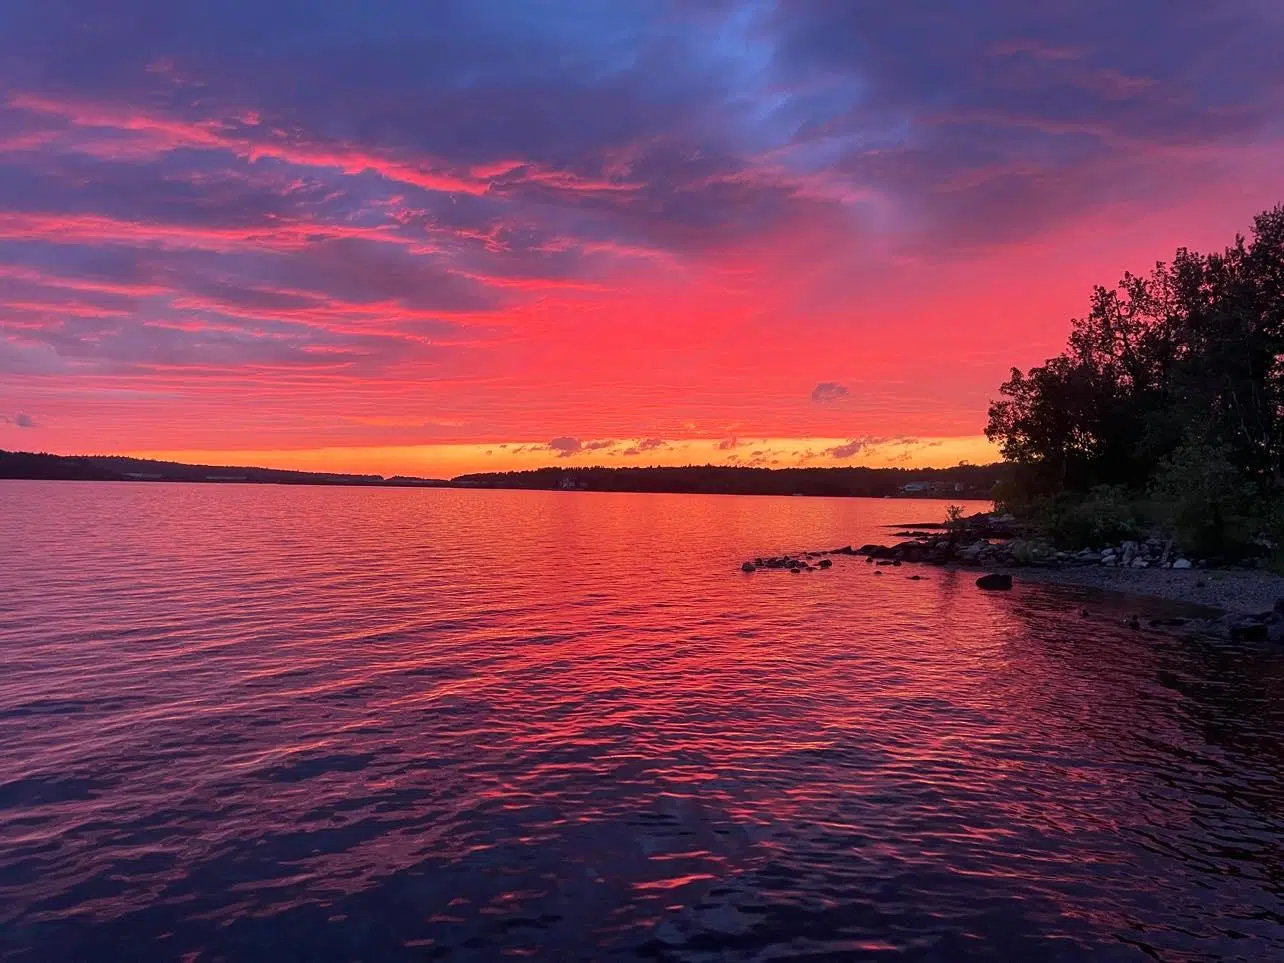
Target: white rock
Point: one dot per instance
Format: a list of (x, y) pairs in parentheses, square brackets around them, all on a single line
[(1182, 563), (1140, 563)]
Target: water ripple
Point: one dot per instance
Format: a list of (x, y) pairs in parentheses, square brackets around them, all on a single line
[(256, 723)]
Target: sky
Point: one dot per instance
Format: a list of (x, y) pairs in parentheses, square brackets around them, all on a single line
[(431, 238)]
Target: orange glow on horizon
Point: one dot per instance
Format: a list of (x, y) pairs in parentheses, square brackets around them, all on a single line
[(447, 461)]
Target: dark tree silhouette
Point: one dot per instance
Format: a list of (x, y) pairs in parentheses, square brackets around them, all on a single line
[(1173, 382), (1189, 354)]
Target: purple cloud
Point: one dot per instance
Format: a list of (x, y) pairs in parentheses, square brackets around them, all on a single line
[(170, 197), (827, 392), (565, 447), (854, 447)]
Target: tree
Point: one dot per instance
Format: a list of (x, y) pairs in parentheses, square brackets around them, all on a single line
[(1190, 355)]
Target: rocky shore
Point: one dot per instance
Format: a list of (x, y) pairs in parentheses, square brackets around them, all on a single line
[(1248, 601)]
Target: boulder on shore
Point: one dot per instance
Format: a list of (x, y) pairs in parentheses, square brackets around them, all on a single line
[(994, 582), (877, 551)]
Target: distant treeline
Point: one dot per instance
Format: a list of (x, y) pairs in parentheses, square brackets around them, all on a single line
[(964, 481), (38, 465)]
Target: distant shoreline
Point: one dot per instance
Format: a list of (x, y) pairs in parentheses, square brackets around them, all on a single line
[(961, 483), (453, 486)]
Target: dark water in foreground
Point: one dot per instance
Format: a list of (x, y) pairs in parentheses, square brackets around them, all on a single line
[(252, 723)]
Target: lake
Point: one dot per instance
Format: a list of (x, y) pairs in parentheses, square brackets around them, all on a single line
[(278, 724)]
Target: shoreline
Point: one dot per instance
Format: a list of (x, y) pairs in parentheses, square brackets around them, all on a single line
[(1235, 591)]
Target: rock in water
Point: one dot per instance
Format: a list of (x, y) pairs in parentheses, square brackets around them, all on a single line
[(994, 582), (1249, 630), (748, 567), (825, 563)]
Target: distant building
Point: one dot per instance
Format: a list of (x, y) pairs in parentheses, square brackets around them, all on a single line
[(932, 488)]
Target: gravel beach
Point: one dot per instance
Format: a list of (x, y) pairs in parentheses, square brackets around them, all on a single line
[(1242, 592)]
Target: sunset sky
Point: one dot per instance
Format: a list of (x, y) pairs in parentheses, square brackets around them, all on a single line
[(435, 237)]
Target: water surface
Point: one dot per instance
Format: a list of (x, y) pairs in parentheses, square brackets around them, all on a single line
[(262, 723)]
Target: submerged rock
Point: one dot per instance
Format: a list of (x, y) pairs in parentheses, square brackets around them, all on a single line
[(748, 567), (994, 582)]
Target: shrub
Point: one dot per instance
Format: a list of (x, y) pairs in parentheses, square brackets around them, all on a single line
[(1105, 515), (1206, 504), (954, 517)]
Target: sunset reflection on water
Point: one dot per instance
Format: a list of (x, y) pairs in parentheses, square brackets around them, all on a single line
[(392, 724)]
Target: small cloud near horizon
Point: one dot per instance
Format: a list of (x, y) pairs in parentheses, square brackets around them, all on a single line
[(20, 419), (646, 444), (853, 447), (827, 392), (565, 446)]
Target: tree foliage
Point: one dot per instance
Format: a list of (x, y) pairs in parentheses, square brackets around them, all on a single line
[(1190, 352), (1176, 374)]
